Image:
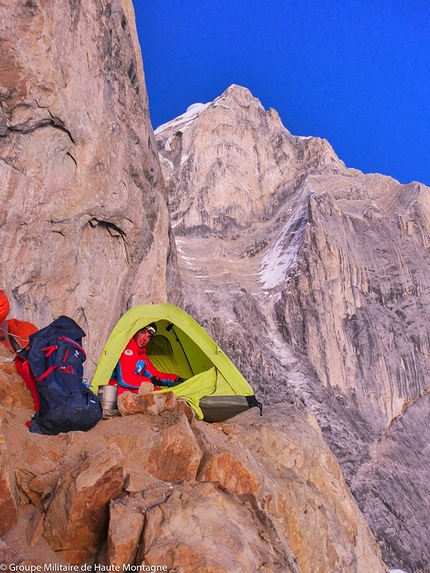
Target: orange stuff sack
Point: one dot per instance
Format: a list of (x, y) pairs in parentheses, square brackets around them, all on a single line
[(4, 306), (14, 333)]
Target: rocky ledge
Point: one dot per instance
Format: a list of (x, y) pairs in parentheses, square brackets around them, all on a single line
[(156, 487)]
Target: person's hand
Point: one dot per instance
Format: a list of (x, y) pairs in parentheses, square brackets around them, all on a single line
[(177, 381), (158, 382), (169, 383)]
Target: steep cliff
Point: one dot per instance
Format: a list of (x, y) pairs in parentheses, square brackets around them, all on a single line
[(83, 218), (316, 279)]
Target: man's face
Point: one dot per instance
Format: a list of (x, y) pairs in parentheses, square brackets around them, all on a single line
[(142, 337)]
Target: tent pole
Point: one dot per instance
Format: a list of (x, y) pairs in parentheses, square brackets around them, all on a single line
[(170, 327)]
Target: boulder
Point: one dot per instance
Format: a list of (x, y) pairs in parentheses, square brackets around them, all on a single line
[(200, 528), (77, 518), (39, 461), (303, 488), (254, 494), (163, 446), (13, 390), (175, 453), (132, 403), (125, 530), (227, 465)]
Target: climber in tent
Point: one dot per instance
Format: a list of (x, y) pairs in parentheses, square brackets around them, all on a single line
[(214, 387), (134, 367)]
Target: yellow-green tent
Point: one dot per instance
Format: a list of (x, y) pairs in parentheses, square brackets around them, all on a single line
[(214, 388)]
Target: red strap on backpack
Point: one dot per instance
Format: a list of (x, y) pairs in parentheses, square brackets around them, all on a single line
[(48, 350), (23, 369)]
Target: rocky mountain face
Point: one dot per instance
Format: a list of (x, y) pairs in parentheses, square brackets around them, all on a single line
[(83, 218), (315, 279), (156, 487), (311, 276)]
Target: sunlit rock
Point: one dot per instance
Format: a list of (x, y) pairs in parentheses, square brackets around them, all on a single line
[(84, 222)]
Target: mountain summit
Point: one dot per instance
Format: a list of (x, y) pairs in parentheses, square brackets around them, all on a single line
[(236, 158)]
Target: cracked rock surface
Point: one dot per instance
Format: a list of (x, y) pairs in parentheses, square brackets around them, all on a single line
[(82, 202)]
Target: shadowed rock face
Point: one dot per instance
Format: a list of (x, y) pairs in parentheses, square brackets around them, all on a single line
[(395, 482), (315, 279), (84, 225)]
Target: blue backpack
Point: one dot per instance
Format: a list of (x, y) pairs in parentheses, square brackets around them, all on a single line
[(56, 360)]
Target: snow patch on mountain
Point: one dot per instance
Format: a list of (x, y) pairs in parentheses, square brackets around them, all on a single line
[(184, 121), (224, 107), (281, 256)]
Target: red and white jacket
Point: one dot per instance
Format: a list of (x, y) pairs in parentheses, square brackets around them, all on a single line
[(135, 368)]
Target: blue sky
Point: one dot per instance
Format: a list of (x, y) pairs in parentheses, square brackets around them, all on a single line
[(355, 72)]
